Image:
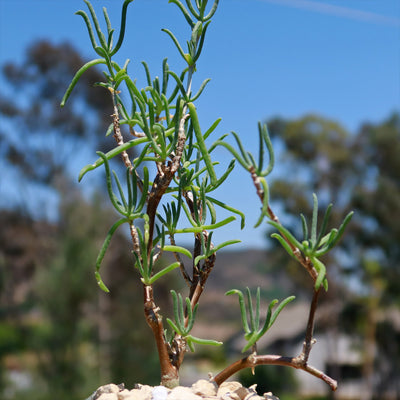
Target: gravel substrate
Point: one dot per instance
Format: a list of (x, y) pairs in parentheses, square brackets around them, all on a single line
[(201, 390)]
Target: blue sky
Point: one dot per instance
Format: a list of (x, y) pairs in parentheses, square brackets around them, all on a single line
[(340, 59)]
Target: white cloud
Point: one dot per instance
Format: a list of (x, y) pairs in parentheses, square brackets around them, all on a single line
[(339, 11)]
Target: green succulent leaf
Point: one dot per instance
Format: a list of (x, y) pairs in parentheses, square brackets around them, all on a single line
[(88, 26), (214, 250), (190, 340), (264, 138), (201, 228), (174, 326), (192, 9), (178, 249), (265, 206), (76, 77), (284, 244), (314, 221), (212, 11), (109, 155), (103, 251), (341, 229), (200, 141), (253, 332), (200, 91), (242, 306), (122, 27), (321, 269), (100, 34), (229, 208), (176, 43), (185, 13), (114, 200), (286, 233), (161, 273)]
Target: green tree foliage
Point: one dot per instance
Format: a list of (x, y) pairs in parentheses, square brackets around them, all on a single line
[(357, 171)]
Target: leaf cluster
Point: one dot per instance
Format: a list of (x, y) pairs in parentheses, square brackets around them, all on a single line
[(314, 244), (184, 324), (251, 322)]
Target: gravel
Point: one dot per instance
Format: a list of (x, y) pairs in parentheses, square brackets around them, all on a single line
[(201, 390)]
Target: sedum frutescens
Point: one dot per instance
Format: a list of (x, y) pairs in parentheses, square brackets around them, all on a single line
[(163, 121)]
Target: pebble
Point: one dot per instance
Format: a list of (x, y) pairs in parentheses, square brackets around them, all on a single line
[(181, 392), (204, 388), (201, 390), (127, 395), (108, 396), (159, 393)]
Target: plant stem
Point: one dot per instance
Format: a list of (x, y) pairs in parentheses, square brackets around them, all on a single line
[(253, 360), (308, 340), (163, 180), (169, 371), (117, 131)]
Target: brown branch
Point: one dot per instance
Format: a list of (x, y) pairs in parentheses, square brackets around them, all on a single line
[(169, 371), (120, 141), (199, 274), (254, 360), (163, 180), (185, 275), (135, 239), (308, 340)]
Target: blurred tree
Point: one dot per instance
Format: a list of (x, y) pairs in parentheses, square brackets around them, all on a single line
[(39, 142), (358, 171), (65, 295)]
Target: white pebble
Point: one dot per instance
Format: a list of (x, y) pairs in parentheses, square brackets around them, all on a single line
[(159, 393)]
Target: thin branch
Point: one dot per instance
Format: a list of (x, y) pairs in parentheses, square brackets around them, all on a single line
[(135, 239), (254, 360), (309, 341), (120, 140), (185, 275), (117, 130)]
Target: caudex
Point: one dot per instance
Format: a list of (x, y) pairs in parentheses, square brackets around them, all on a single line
[(169, 143)]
